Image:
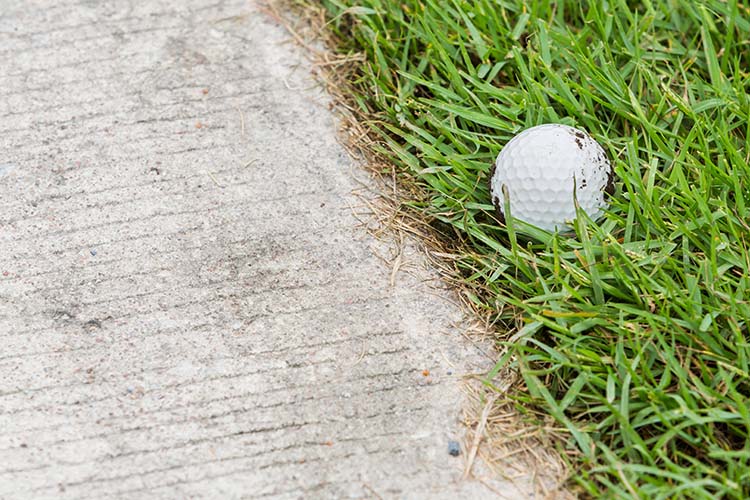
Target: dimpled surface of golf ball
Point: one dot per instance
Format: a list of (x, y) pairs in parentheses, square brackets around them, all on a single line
[(540, 167)]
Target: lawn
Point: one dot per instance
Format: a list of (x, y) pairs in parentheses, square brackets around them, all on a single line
[(631, 333)]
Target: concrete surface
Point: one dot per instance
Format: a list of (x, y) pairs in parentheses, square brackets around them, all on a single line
[(188, 308)]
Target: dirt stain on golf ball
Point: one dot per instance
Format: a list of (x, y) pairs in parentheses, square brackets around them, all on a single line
[(544, 169)]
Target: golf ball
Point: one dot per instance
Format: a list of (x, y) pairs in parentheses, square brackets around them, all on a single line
[(543, 168)]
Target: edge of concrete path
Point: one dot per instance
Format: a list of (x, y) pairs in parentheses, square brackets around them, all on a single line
[(498, 443)]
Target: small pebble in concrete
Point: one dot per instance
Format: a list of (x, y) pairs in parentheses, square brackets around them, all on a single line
[(454, 449), (6, 168)]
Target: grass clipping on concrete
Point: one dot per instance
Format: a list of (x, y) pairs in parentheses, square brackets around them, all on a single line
[(633, 332)]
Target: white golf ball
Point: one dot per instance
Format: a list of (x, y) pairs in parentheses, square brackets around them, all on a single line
[(543, 168)]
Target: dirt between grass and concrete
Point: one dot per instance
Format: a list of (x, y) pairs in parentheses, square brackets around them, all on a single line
[(189, 307)]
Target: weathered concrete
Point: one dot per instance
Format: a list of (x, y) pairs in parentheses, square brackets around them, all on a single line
[(187, 307)]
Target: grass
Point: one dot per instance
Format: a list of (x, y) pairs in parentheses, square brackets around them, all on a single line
[(633, 333)]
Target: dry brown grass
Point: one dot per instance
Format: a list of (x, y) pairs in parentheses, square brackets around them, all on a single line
[(507, 445)]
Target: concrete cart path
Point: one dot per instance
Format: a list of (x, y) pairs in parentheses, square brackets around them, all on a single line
[(188, 308)]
